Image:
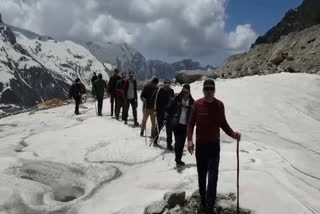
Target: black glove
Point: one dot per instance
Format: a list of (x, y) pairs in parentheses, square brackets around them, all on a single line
[(136, 102)]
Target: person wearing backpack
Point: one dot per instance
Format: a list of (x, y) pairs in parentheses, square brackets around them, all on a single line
[(130, 92), (178, 112), (100, 86), (162, 99), (112, 90), (76, 91)]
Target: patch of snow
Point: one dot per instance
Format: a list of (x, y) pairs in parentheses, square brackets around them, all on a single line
[(278, 116)]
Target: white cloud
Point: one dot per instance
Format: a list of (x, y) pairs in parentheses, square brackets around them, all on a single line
[(180, 28)]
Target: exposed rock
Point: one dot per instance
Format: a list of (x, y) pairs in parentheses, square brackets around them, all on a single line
[(176, 210), (190, 76), (173, 199), (158, 207), (31, 74), (290, 46), (225, 204), (286, 55), (305, 16)]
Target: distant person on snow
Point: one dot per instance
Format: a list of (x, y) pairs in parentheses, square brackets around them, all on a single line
[(76, 91), (130, 92), (178, 112), (208, 115), (99, 87), (161, 100), (93, 79), (120, 97), (148, 106), (112, 89)]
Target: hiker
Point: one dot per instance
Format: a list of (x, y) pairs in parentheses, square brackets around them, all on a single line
[(76, 91), (178, 112), (130, 92), (162, 98), (99, 86), (208, 115), (120, 98), (93, 79), (112, 89), (148, 106)]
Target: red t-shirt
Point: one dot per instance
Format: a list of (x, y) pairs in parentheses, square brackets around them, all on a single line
[(209, 118)]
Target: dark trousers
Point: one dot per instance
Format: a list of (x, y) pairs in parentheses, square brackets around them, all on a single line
[(208, 158), (100, 104), (127, 104), (180, 135), (160, 123), (77, 100), (119, 105), (112, 101)]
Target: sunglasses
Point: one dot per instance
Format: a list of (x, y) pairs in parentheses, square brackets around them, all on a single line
[(208, 89)]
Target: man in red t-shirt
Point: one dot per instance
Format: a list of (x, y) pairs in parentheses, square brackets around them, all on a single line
[(209, 116)]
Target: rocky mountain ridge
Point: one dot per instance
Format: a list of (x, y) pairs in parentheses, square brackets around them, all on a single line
[(291, 46)]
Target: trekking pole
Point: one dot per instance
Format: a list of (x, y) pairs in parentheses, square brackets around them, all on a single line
[(238, 172), (145, 134), (95, 106)]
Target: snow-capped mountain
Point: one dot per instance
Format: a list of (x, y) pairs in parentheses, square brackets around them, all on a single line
[(36, 68), (127, 59)]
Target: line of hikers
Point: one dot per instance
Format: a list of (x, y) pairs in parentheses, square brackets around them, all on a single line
[(179, 114)]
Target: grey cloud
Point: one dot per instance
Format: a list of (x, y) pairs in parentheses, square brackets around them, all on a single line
[(180, 28)]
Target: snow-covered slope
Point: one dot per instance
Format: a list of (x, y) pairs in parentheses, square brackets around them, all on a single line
[(34, 69), (50, 156), (65, 59)]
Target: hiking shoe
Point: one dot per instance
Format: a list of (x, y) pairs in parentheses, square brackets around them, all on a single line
[(210, 210), (169, 147), (202, 209), (180, 163), (136, 124), (125, 122), (141, 133)]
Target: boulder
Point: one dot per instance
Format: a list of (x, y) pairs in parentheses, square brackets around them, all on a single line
[(158, 207), (190, 76), (173, 199)]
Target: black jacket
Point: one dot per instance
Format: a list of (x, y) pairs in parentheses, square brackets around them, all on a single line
[(77, 89), (93, 79), (99, 85), (173, 110), (113, 82), (162, 98), (126, 87), (147, 95)]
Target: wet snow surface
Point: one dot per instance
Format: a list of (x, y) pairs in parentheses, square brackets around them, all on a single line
[(54, 162)]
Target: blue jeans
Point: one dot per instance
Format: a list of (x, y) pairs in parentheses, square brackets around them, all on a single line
[(208, 158)]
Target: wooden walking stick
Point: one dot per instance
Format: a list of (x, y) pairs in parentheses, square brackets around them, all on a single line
[(238, 172)]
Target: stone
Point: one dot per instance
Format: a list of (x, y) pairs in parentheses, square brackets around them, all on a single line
[(175, 198), (158, 207)]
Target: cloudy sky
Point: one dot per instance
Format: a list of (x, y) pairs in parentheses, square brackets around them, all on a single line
[(204, 30)]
